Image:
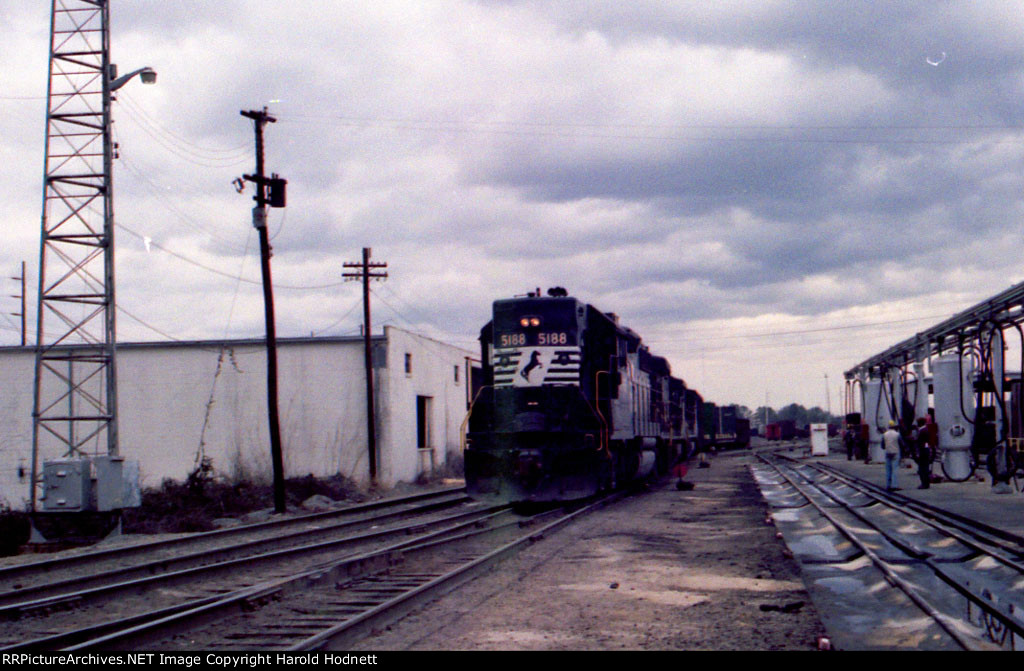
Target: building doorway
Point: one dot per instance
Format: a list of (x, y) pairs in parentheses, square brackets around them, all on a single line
[(424, 434)]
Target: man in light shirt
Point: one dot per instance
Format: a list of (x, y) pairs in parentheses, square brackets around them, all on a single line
[(891, 442)]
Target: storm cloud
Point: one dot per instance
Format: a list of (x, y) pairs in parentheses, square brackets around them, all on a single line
[(767, 192)]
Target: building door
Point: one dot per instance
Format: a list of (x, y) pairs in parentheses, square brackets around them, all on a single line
[(424, 438)]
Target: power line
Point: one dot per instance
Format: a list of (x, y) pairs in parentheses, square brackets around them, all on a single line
[(574, 131), (122, 310), (169, 204), (198, 264), (369, 120), (773, 334), (339, 320), (181, 147), (242, 149)]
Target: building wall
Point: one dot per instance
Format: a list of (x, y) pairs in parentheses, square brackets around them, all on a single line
[(179, 402), (16, 372), (432, 375)]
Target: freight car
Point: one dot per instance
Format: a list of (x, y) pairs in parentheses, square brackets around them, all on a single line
[(782, 430), (731, 430), (572, 403)]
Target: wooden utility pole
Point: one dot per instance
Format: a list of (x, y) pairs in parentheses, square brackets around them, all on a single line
[(365, 275), (269, 191)]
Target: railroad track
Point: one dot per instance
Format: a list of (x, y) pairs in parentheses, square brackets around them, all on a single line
[(321, 601), (21, 578), (966, 578), (165, 576)]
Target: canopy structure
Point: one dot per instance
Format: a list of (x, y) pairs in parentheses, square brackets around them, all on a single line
[(1002, 310)]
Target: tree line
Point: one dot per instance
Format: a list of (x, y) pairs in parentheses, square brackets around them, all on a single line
[(799, 415)]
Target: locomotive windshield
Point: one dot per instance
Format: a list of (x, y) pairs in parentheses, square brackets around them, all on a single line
[(536, 342)]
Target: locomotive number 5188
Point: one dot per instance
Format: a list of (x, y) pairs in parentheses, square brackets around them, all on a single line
[(517, 339), (552, 338)]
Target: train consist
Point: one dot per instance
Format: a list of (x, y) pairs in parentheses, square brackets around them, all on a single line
[(571, 403)]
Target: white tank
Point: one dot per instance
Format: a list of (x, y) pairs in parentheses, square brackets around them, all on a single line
[(920, 391), (876, 416), (954, 410)]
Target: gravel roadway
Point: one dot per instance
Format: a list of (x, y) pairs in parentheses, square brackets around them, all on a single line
[(665, 570)]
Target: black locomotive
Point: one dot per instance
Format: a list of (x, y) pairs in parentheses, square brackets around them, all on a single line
[(571, 403)]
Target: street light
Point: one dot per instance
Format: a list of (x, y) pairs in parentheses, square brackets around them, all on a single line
[(147, 74)]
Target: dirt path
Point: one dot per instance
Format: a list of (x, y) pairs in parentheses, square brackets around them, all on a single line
[(669, 570)]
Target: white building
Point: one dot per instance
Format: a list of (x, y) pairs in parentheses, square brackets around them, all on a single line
[(181, 400)]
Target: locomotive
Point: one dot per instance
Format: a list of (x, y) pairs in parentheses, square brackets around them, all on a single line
[(571, 403)]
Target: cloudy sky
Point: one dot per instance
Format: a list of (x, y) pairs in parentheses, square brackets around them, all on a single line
[(768, 192)]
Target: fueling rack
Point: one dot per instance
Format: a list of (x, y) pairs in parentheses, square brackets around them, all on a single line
[(962, 363)]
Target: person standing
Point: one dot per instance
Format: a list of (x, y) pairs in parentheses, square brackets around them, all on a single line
[(923, 454), (891, 442), (909, 450)]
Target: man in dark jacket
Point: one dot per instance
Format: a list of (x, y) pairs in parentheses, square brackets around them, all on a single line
[(924, 453)]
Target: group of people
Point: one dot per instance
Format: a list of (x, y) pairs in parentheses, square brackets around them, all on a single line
[(917, 442)]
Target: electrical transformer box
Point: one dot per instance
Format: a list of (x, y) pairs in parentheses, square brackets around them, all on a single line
[(109, 483), (67, 485), (97, 483)]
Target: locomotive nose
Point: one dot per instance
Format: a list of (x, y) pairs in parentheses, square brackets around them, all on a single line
[(529, 421)]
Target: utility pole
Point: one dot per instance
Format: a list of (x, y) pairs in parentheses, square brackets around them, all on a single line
[(269, 191), (365, 275), (22, 297)]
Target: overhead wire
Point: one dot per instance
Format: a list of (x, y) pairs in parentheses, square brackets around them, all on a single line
[(340, 319), (238, 283), (169, 204), (393, 309), (244, 147), (180, 146), (411, 326), (772, 334), (418, 312), (587, 130), (783, 345), (122, 310), (666, 343), (216, 271), (142, 116)]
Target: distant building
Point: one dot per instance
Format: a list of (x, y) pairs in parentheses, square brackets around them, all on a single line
[(182, 400)]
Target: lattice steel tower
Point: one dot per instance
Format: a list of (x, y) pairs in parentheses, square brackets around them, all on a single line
[(75, 386)]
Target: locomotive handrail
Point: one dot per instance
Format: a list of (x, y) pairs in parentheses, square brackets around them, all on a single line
[(597, 410), (465, 421), (597, 413)]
